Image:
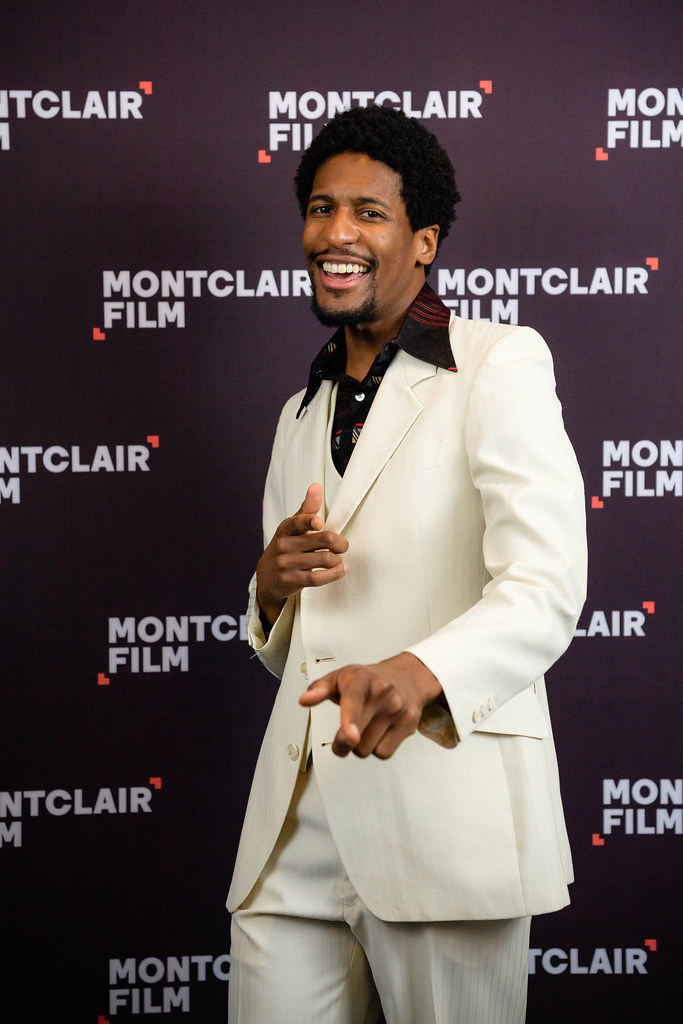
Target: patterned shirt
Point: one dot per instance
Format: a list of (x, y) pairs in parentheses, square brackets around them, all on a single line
[(424, 334)]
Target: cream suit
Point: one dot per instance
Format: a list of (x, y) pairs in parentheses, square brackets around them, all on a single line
[(463, 508)]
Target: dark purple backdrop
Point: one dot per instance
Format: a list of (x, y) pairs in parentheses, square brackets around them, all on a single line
[(96, 896)]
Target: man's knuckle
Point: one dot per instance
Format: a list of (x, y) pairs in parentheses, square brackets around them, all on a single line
[(395, 703), (380, 687), (412, 718)]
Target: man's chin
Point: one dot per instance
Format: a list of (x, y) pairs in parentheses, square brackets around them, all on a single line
[(344, 317)]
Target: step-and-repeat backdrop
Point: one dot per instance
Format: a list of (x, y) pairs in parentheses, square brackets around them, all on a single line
[(155, 316)]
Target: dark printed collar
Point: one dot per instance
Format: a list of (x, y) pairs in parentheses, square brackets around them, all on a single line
[(423, 334)]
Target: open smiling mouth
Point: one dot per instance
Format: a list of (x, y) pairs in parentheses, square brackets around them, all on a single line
[(339, 275), (332, 267)]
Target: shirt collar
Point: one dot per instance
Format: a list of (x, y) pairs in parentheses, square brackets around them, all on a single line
[(423, 334)]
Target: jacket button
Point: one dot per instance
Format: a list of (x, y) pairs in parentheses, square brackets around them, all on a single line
[(292, 752), (304, 670)]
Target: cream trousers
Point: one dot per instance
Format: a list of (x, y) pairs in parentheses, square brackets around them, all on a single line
[(305, 949)]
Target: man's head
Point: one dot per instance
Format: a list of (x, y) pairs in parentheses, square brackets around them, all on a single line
[(377, 192), (403, 144)]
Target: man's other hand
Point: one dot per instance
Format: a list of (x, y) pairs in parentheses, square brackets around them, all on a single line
[(380, 705)]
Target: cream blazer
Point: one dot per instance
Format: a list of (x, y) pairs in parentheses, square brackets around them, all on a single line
[(463, 508)]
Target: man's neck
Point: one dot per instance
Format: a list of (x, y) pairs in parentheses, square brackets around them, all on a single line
[(361, 351), (365, 341)]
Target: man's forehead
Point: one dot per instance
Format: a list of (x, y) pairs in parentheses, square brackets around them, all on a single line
[(358, 176)]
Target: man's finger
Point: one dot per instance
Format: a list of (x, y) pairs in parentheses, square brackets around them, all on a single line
[(346, 741), (292, 540), (322, 689), (378, 731), (357, 708)]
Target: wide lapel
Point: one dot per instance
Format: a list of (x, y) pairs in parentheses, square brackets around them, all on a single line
[(393, 412), (311, 437)]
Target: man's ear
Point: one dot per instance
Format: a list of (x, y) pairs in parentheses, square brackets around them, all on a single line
[(427, 241)]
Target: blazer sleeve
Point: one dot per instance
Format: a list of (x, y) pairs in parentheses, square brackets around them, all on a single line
[(273, 649), (534, 544)]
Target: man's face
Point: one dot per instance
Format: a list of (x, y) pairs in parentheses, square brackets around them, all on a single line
[(365, 262)]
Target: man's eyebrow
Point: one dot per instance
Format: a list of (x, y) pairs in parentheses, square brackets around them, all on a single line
[(357, 200), (373, 200)]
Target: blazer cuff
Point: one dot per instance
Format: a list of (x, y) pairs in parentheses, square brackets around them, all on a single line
[(272, 648)]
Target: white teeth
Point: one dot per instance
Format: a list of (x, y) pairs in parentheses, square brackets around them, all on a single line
[(343, 268)]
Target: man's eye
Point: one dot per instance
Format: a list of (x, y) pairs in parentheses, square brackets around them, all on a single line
[(322, 208), (372, 214)]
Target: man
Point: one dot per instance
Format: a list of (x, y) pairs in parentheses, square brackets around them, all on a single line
[(424, 565)]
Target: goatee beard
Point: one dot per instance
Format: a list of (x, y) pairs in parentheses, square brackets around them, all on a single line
[(363, 314)]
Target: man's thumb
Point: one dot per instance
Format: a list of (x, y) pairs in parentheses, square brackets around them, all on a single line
[(312, 503)]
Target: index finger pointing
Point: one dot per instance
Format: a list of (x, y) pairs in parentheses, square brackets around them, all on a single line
[(322, 689)]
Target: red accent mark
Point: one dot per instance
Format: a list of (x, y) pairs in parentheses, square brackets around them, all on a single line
[(102, 1020), (600, 154), (153, 439), (263, 157), (146, 88), (102, 680), (98, 334), (487, 86), (596, 502), (651, 945), (649, 607), (156, 782), (653, 262), (598, 840)]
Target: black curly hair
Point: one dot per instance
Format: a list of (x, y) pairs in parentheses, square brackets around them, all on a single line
[(403, 144)]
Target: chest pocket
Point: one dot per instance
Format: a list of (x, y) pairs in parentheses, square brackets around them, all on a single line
[(412, 458)]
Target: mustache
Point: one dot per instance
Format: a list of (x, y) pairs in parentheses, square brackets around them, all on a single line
[(348, 256)]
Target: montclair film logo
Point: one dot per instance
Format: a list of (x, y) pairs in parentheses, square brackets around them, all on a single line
[(157, 299), (17, 460), (32, 803), (293, 116), (643, 119), (154, 985), (152, 645), (45, 104), (642, 807), (618, 622), (629, 960), (640, 469)]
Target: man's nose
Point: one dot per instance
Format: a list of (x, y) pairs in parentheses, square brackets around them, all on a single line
[(341, 228)]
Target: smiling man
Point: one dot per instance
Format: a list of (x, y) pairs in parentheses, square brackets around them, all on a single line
[(424, 566)]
